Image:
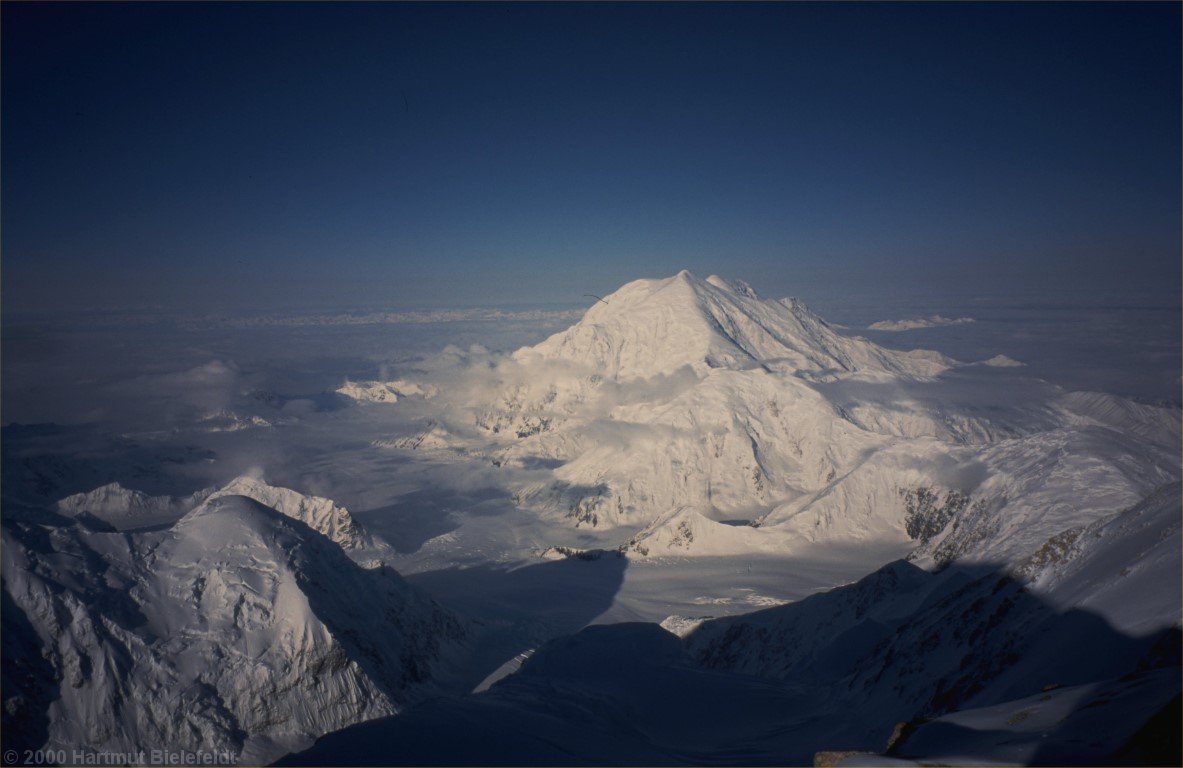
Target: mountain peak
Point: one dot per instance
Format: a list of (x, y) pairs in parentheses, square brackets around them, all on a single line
[(654, 327), (321, 514)]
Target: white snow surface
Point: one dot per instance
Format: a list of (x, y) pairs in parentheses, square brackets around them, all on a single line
[(320, 514), (983, 669), (238, 628), (125, 508), (1002, 361), (383, 391), (654, 327)]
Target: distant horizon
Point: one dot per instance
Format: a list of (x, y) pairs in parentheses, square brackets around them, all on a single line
[(1095, 296)]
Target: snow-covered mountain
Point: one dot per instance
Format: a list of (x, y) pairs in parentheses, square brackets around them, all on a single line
[(677, 409), (654, 327), (383, 391), (125, 509), (320, 514), (238, 628)]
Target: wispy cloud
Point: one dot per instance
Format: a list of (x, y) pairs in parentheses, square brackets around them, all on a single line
[(910, 324)]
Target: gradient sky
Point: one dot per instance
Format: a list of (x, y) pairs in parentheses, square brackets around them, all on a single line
[(232, 156)]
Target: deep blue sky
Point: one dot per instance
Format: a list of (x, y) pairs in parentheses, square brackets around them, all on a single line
[(308, 155)]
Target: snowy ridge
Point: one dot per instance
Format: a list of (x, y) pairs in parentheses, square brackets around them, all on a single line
[(383, 391), (320, 514), (125, 508), (1141, 545), (1038, 487), (237, 629), (432, 438), (128, 509), (1002, 361), (935, 321), (1162, 425)]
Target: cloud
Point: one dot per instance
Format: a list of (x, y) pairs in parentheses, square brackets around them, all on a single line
[(918, 322), (1002, 361), (185, 394)]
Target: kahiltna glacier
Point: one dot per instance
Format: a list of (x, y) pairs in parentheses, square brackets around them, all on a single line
[(697, 526)]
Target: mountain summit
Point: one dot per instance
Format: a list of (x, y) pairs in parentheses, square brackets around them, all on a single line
[(676, 408), (655, 327)]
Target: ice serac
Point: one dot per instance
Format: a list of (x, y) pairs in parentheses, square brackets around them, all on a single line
[(239, 629), (654, 327)]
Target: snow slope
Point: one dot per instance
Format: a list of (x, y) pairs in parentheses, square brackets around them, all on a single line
[(238, 628), (126, 509), (320, 514), (654, 327)]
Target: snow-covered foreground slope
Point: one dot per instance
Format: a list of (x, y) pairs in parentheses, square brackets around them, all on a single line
[(238, 628), (975, 666)]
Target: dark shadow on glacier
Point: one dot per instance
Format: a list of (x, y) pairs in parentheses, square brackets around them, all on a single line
[(518, 609), (836, 671), (26, 680), (1159, 742), (418, 516), (539, 462)]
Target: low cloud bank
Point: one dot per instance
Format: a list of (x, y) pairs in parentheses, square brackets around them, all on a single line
[(918, 322)]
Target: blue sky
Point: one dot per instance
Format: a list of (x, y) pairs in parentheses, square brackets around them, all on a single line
[(232, 156)]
